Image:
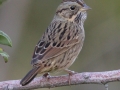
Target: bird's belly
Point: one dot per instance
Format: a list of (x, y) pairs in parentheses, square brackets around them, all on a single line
[(70, 56), (64, 60)]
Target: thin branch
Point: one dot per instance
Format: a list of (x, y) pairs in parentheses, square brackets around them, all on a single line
[(58, 81)]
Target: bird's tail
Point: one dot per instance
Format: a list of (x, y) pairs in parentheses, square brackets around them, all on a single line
[(29, 76)]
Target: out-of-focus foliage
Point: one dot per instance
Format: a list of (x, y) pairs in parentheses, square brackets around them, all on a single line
[(5, 40), (1, 1), (4, 55)]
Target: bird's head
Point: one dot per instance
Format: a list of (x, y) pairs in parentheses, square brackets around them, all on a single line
[(70, 9)]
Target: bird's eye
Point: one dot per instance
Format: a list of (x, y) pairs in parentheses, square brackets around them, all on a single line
[(72, 8)]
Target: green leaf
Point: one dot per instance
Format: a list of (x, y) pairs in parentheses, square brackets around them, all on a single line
[(5, 39), (4, 55)]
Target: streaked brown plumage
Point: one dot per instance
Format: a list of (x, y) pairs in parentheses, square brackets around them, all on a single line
[(61, 42)]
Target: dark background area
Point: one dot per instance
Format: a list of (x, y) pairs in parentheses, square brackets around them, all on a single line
[(25, 21)]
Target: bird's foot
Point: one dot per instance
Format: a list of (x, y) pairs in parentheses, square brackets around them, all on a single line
[(47, 76), (70, 74)]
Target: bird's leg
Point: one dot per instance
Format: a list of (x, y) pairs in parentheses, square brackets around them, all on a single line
[(47, 75), (70, 74)]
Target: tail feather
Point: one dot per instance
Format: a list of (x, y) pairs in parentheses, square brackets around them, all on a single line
[(29, 76)]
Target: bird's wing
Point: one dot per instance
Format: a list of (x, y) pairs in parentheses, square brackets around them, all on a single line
[(57, 39)]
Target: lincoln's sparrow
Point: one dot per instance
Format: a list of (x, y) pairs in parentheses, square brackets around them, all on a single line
[(61, 42)]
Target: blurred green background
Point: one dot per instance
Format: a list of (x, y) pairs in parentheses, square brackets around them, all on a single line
[(25, 20)]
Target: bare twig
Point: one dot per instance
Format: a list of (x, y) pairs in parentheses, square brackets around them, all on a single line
[(57, 81)]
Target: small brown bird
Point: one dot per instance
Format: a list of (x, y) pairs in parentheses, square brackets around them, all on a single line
[(61, 43)]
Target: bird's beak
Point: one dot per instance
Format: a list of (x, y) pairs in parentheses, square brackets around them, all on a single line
[(85, 7)]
